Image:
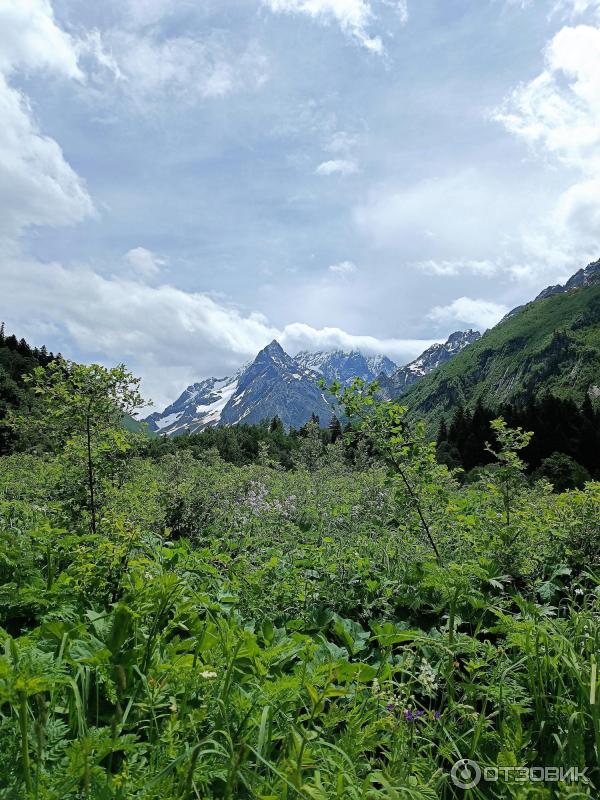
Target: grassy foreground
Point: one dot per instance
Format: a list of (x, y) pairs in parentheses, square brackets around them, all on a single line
[(246, 632)]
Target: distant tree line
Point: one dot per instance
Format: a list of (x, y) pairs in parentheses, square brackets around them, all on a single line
[(17, 359), (248, 444), (565, 446)]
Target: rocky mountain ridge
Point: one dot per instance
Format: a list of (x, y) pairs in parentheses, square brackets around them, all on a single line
[(276, 384)]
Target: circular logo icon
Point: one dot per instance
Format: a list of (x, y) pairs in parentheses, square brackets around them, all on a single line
[(465, 774)]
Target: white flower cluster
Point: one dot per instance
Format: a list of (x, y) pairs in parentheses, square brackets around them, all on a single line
[(208, 674), (427, 677), (388, 697)]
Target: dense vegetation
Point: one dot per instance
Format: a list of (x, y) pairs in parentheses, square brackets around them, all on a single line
[(250, 444), (565, 447), (175, 626), (550, 346), (17, 359)]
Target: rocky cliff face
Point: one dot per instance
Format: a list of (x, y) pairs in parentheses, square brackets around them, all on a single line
[(396, 384), (274, 384)]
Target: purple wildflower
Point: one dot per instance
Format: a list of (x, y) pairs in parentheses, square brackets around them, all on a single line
[(412, 716), (390, 707), (437, 715)]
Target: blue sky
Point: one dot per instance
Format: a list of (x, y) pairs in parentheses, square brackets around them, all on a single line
[(183, 180)]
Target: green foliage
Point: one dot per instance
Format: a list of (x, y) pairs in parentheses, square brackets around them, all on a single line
[(80, 411), (563, 472), (551, 346), (244, 631), (559, 426), (17, 359)]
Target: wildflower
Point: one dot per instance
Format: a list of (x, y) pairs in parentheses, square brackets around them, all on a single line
[(208, 674), (390, 707), (412, 716), (578, 592), (427, 677), (437, 715)]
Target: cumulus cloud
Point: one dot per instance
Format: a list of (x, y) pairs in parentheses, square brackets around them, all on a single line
[(343, 268), (557, 114), (482, 313), (339, 166), (144, 262), (31, 39), (299, 336), (37, 185), (354, 17), (559, 110)]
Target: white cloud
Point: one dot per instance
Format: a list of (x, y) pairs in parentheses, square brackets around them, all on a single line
[(169, 336), (343, 268), (37, 185), (337, 167), (30, 39), (181, 68), (482, 313), (559, 110), (144, 262), (557, 114), (299, 336), (576, 7), (353, 16), (341, 142), (455, 267)]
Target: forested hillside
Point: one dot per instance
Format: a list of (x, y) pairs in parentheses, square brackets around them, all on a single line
[(17, 359), (551, 346), (565, 446)]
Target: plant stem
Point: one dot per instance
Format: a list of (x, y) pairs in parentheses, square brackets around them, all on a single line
[(23, 710), (90, 465)]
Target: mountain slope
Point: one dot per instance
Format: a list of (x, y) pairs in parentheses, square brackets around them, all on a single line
[(198, 407), (273, 385), (589, 276), (277, 385), (552, 345), (394, 385)]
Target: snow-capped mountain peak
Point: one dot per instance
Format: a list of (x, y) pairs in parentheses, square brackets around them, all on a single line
[(338, 365), (277, 385)]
